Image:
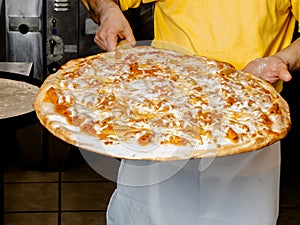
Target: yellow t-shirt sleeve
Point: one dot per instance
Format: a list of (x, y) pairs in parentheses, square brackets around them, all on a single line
[(296, 10), (126, 4)]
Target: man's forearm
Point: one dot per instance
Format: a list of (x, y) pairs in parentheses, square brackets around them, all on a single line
[(97, 8), (291, 55)]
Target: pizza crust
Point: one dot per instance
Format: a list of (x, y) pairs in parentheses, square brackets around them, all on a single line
[(59, 126)]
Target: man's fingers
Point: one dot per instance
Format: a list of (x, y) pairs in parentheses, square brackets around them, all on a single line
[(284, 75), (111, 43), (129, 37)]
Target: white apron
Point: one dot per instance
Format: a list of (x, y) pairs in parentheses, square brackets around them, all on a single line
[(241, 189)]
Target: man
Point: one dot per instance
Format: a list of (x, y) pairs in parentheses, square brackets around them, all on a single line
[(254, 36)]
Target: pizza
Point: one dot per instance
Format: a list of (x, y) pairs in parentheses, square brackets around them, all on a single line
[(16, 97), (149, 103)]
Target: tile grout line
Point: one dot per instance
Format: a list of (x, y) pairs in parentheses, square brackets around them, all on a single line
[(30, 211), (59, 198)]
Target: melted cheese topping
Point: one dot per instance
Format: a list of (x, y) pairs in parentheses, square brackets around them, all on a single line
[(150, 97)]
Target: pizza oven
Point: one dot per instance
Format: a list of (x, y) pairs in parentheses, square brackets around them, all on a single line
[(69, 33), (47, 33)]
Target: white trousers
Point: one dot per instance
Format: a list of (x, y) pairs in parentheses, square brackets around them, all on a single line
[(241, 189)]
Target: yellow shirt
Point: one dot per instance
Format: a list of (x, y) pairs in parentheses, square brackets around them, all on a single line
[(235, 31)]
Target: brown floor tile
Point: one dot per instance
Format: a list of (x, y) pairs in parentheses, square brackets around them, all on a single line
[(289, 192), (31, 219), (30, 197), (83, 218), (96, 166), (289, 216), (86, 195), (17, 174), (80, 172)]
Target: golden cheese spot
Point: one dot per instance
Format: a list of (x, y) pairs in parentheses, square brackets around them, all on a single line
[(273, 133), (265, 119), (230, 100), (275, 109), (176, 140), (64, 111), (77, 120), (205, 117), (68, 102), (194, 99), (108, 130), (89, 129), (225, 68), (232, 135), (198, 88), (245, 127), (145, 139), (51, 96), (250, 102)]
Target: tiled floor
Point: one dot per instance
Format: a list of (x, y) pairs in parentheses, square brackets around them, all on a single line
[(79, 196), (73, 196)]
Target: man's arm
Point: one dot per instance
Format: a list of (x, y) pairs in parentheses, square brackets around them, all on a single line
[(113, 24), (291, 55), (277, 66)]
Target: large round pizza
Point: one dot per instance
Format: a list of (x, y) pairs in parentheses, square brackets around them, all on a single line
[(149, 103)]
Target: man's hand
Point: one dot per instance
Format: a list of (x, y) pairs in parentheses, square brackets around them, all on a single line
[(113, 26), (271, 69)]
